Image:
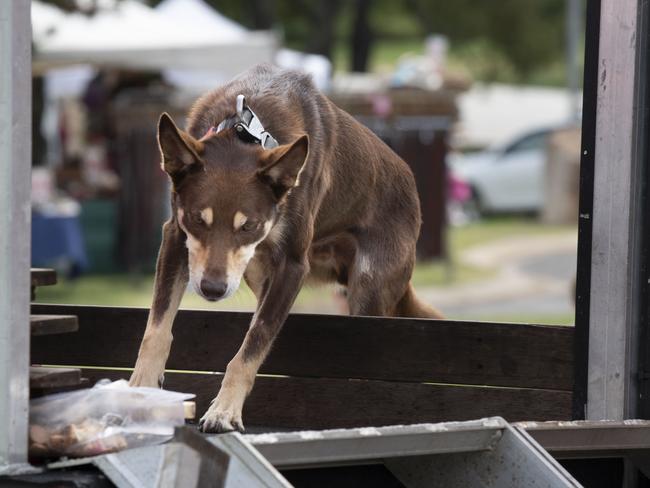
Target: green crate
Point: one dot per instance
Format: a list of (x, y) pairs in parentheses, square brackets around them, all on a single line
[(99, 226)]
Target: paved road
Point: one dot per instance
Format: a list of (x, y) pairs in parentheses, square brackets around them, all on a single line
[(534, 278)]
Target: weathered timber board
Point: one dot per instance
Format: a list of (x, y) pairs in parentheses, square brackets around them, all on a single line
[(41, 325), (40, 377), (515, 355), (43, 277), (322, 403)]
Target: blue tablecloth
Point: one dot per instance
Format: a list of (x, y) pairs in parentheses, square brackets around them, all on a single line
[(58, 242)]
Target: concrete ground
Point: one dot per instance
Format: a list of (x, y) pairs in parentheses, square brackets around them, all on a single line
[(534, 277)]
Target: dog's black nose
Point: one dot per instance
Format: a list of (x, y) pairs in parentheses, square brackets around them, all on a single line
[(213, 290)]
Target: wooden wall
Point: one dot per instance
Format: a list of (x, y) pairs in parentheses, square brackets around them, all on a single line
[(329, 371)]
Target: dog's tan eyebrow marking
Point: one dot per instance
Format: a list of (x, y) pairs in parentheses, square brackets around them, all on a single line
[(207, 216), (240, 219)]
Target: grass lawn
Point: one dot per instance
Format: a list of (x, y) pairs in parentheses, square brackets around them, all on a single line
[(477, 233), (126, 290)]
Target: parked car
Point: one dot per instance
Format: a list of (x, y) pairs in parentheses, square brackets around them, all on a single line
[(509, 178)]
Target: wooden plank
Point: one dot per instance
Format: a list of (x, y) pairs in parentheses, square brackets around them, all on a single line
[(516, 355), (43, 276), (41, 377), (52, 324), (309, 403), (39, 392)]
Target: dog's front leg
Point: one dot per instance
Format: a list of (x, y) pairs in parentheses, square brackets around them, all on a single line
[(225, 412), (169, 286)]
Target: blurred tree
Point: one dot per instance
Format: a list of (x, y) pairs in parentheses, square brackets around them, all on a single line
[(263, 14), (67, 5), (88, 7), (309, 25), (320, 16), (528, 32), (254, 14), (522, 37), (362, 36)]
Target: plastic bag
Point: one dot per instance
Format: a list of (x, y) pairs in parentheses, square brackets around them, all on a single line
[(106, 418)]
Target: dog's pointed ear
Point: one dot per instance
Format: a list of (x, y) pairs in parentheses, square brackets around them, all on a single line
[(179, 150), (282, 165)]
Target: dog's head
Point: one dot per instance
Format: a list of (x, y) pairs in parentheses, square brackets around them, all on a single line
[(226, 195)]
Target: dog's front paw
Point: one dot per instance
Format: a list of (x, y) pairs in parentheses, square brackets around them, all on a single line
[(143, 376), (216, 422)]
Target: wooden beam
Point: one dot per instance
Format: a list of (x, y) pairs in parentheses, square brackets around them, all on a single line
[(513, 355), (45, 378), (43, 277), (52, 324), (323, 403)]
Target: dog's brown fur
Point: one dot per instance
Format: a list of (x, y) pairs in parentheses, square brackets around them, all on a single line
[(332, 202)]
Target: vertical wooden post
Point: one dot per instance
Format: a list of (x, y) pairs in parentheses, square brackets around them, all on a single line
[(15, 218), (614, 306)]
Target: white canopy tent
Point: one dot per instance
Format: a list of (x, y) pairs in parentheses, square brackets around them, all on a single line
[(129, 34), (194, 46)]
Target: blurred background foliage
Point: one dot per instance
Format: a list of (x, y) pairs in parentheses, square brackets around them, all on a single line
[(516, 44), (510, 41)]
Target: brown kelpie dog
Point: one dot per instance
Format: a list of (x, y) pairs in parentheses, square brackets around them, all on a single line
[(272, 181)]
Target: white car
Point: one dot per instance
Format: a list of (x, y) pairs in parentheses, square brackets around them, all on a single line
[(508, 178)]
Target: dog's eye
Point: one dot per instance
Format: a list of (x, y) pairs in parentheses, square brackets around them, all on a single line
[(248, 226), (197, 219)]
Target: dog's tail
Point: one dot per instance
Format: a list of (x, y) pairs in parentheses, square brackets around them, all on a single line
[(411, 306)]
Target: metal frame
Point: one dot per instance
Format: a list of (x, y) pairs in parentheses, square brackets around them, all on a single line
[(477, 453), (613, 312), (366, 445), (643, 154), (486, 452), (583, 275), (227, 460), (516, 461), (591, 439), (15, 219)]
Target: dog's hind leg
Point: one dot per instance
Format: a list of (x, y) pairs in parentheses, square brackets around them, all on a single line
[(372, 299), (411, 306), (225, 412), (378, 276), (386, 294), (169, 286)]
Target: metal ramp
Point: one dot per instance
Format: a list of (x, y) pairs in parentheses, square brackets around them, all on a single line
[(481, 453), (187, 461)]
